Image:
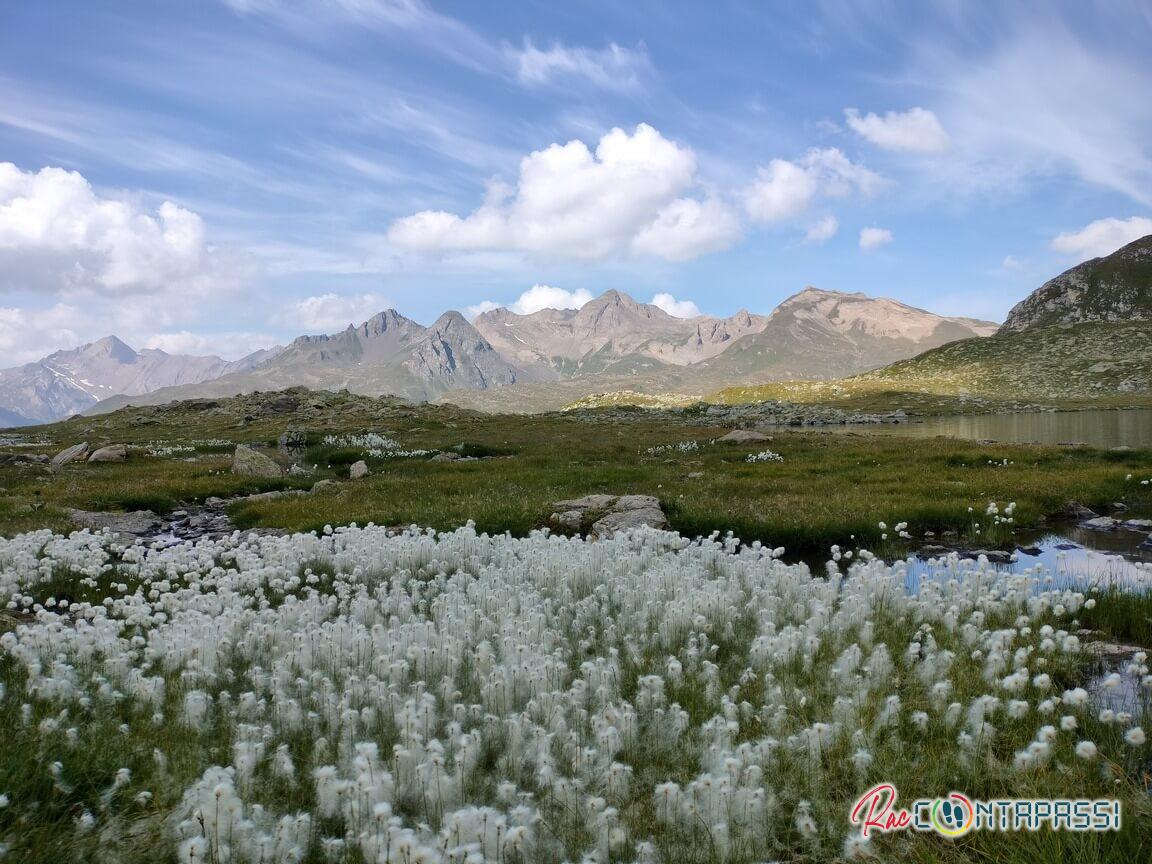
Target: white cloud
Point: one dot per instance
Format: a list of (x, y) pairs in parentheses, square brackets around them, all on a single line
[(1011, 262), (611, 68), (1102, 237), (786, 189), (546, 297), (822, 230), (625, 197), (874, 238), (328, 313), (475, 311), (57, 235), (534, 299), (687, 229), (917, 130), (229, 345), (676, 308)]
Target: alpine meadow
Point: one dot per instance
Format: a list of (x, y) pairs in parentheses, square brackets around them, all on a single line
[(448, 433)]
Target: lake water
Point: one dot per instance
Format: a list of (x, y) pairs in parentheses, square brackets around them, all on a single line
[(1129, 427)]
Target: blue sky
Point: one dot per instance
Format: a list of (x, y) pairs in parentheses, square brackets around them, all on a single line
[(224, 174)]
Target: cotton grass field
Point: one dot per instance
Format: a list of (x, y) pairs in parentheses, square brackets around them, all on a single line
[(354, 695)]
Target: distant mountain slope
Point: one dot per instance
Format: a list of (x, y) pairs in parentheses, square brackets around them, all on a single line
[(575, 342), (1064, 361), (814, 334), (1117, 287), (68, 382), (387, 354)]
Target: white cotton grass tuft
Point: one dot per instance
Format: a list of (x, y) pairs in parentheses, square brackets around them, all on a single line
[(443, 696)]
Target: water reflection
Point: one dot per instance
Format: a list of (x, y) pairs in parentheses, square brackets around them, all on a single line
[(1120, 428)]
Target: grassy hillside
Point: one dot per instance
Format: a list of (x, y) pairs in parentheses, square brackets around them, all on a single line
[(1065, 365)]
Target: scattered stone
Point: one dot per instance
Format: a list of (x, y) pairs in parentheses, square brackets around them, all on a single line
[(1119, 507), (70, 454), (292, 440), (137, 523), (111, 453), (298, 471), (321, 487), (1074, 511), (695, 475), (358, 470), (994, 556), (214, 502), (252, 463), (1137, 524), (445, 457), (270, 496), (605, 515), (743, 436), (1100, 523)]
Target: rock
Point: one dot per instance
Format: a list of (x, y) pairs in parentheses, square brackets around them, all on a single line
[(322, 487), (743, 436), (358, 470), (292, 440), (569, 519), (298, 471), (137, 523), (1137, 524), (445, 457), (111, 453), (70, 454), (271, 496), (994, 556), (637, 502), (213, 501), (1100, 523), (1119, 507), (1074, 511), (588, 502), (252, 463), (623, 520)]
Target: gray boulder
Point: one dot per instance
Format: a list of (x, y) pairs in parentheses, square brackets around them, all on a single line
[(623, 520), (608, 514), (252, 463), (321, 487), (136, 523), (743, 436), (358, 470), (111, 453), (71, 454), (1100, 523)]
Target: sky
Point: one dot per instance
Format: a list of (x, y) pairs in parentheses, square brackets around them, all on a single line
[(222, 175)]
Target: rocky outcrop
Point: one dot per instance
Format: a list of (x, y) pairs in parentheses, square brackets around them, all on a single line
[(1117, 287), (111, 453), (71, 454), (606, 515)]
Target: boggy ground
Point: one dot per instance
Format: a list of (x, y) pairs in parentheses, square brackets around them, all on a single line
[(829, 488)]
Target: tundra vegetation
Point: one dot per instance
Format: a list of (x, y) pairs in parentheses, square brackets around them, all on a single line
[(497, 692)]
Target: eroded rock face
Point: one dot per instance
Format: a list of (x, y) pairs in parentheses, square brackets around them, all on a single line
[(252, 463), (71, 454)]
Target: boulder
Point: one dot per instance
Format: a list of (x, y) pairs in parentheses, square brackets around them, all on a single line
[(292, 440), (321, 487), (743, 436), (271, 496), (71, 454), (1074, 511), (111, 453), (623, 520), (252, 463), (136, 523), (358, 470), (1100, 523)]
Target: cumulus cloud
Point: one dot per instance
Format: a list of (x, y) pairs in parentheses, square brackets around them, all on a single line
[(676, 308), (58, 235), (611, 68), (327, 313), (687, 229), (785, 189), (1011, 262), (822, 230), (228, 345), (874, 238), (917, 130), (1102, 237), (534, 299), (626, 197)]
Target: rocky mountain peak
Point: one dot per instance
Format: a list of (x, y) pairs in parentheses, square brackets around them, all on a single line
[(1117, 287)]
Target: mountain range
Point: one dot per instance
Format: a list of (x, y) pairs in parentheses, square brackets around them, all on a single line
[(507, 361), (1086, 332)]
